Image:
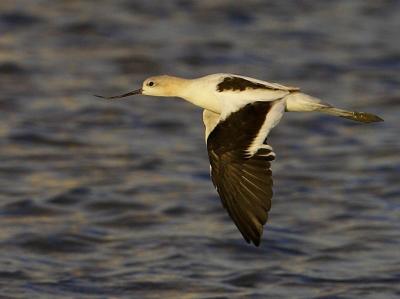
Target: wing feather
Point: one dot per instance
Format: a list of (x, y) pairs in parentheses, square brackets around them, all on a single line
[(244, 182)]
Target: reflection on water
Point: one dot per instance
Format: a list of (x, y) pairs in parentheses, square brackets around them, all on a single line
[(102, 199)]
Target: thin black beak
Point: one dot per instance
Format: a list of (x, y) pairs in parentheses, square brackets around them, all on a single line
[(138, 91)]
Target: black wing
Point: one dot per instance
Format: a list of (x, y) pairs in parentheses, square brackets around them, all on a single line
[(244, 183)]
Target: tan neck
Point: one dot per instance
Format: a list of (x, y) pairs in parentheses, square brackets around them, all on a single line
[(201, 94), (195, 91), (177, 86)]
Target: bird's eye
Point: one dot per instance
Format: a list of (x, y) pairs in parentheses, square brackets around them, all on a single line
[(151, 83)]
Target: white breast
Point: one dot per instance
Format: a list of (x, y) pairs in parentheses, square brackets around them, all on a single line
[(210, 120)]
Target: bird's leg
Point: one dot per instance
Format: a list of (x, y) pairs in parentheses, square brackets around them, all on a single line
[(300, 102)]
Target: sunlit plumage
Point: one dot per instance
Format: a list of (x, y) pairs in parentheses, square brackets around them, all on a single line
[(239, 113)]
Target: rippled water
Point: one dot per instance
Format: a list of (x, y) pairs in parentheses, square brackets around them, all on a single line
[(113, 199)]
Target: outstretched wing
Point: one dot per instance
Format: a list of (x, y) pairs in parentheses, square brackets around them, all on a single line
[(237, 82), (240, 164)]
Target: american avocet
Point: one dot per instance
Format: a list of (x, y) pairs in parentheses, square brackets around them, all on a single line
[(239, 112)]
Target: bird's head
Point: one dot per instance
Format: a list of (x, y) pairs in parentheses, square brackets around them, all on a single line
[(161, 86)]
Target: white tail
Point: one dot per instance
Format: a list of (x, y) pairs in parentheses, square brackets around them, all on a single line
[(301, 102)]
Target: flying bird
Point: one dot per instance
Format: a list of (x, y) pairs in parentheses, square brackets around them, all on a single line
[(239, 112)]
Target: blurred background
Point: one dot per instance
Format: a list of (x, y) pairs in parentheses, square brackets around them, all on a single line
[(113, 199)]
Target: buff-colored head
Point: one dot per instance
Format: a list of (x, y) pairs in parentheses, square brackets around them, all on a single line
[(161, 86)]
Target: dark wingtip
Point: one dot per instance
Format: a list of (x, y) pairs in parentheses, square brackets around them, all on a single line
[(257, 242), (257, 239), (101, 97)]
